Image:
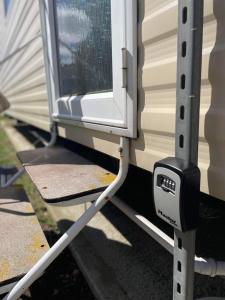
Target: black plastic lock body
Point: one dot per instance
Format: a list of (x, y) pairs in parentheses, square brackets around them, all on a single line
[(176, 192)]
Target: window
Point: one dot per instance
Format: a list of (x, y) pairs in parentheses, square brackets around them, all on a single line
[(90, 48), (83, 35), (6, 6)]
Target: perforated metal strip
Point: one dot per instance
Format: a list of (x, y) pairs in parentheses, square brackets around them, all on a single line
[(190, 21)]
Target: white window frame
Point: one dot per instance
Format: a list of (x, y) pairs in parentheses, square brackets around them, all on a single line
[(98, 109)]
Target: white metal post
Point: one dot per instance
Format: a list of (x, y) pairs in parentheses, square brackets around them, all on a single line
[(18, 174), (190, 23)]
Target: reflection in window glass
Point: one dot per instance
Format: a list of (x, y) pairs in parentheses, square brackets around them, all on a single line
[(83, 37)]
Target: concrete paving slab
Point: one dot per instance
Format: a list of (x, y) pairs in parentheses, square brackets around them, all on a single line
[(22, 240)]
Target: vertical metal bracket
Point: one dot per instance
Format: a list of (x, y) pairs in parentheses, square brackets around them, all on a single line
[(190, 20), (190, 23)]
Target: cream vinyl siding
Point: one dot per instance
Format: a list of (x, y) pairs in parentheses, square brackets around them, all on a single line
[(22, 76), (23, 81)]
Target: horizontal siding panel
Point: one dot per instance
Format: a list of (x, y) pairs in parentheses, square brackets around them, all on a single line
[(30, 24), (23, 81), (40, 122), (11, 25), (35, 110), (160, 23), (157, 86), (22, 58), (23, 26), (38, 96), (35, 81), (22, 74), (29, 70), (154, 6), (158, 83)]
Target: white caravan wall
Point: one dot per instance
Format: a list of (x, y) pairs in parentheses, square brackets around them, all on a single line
[(22, 80)]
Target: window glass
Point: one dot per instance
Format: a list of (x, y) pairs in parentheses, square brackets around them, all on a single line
[(83, 36), (6, 5)]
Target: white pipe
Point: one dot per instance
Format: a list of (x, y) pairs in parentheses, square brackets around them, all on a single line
[(203, 266), (6, 288), (209, 266), (54, 135), (39, 138), (67, 237), (14, 178)]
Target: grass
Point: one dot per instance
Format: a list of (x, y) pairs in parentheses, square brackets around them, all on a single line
[(8, 157)]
